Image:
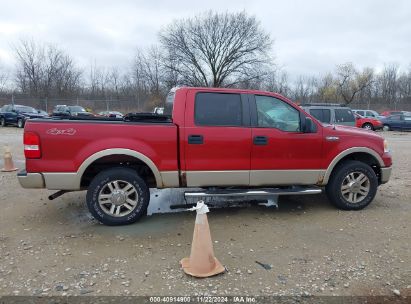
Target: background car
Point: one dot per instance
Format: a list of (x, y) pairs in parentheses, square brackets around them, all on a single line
[(389, 113), (18, 114), (114, 114), (367, 122), (63, 110), (397, 122), (331, 113), (368, 113), (41, 112)]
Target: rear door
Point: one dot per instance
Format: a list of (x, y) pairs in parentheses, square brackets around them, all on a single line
[(282, 153), (344, 116), (217, 139)]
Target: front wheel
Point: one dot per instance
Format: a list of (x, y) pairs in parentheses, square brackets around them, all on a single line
[(352, 186), (20, 123), (386, 128), (118, 196), (2, 122)]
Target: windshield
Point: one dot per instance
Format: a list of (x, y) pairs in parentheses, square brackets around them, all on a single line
[(76, 109), (25, 109)]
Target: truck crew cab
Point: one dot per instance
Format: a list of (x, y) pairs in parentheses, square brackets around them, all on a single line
[(227, 141)]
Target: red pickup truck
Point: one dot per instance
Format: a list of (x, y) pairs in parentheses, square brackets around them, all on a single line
[(229, 142)]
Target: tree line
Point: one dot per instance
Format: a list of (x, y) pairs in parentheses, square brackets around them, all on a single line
[(211, 50)]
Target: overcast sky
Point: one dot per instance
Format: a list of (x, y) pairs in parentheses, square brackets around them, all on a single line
[(310, 37)]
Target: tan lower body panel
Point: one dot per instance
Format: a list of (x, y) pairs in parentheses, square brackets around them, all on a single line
[(285, 177), (253, 178), (170, 179), (218, 178), (62, 181)]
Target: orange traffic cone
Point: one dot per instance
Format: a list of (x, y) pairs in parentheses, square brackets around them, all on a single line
[(202, 263), (8, 161)]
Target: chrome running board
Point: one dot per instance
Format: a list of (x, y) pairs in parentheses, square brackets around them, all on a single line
[(263, 192)]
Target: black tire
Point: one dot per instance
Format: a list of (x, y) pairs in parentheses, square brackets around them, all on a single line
[(3, 122), (339, 180), (20, 123), (368, 126), (99, 187)]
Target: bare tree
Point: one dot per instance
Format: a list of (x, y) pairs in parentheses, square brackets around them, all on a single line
[(44, 70), (351, 82), (3, 79), (277, 81), (216, 49), (326, 89), (305, 89), (404, 86), (388, 81)]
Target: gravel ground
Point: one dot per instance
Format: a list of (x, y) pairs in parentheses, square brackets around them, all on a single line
[(56, 248)]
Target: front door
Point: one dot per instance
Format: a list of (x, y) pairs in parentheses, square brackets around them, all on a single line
[(282, 153), (217, 139)]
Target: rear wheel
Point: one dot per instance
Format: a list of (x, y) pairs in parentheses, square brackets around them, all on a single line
[(118, 196), (352, 186), (2, 122), (368, 126)]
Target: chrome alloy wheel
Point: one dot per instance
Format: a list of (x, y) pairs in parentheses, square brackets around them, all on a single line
[(355, 187), (118, 198)]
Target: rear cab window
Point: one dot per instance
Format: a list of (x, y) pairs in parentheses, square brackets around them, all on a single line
[(218, 109)]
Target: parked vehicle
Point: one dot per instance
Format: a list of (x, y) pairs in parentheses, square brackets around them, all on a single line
[(230, 142), (368, 114), (42, 112), (114, 114), (331, 113), (18, 114), (63, 110), (367, 123), (399, 122), (390, 113)]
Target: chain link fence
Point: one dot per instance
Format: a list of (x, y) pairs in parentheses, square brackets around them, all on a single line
[(122, 105)]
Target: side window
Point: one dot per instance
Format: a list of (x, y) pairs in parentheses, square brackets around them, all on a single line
[(360, 113), (323, 115), (344, 115), (218, 109), (369, 114), (275, 113), (317, 113)]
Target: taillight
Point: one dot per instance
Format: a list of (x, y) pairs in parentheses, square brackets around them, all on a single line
[(31, 145)]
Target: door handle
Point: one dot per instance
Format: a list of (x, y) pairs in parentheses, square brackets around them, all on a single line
[(195, 139), (260, 140)]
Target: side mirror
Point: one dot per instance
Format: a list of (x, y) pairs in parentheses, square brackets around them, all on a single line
[(310, 127)]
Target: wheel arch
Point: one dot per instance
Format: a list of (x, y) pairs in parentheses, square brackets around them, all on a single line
[(363, 154), (118, 155)]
